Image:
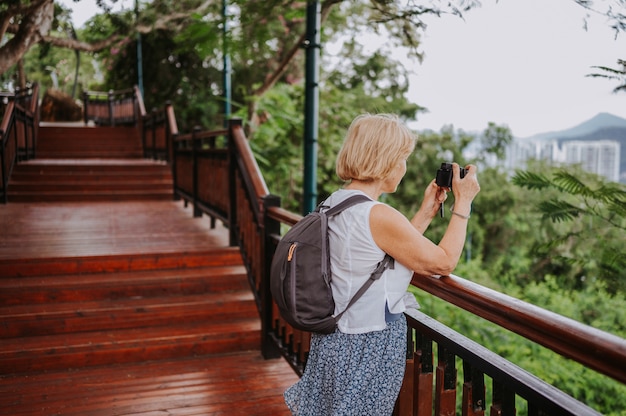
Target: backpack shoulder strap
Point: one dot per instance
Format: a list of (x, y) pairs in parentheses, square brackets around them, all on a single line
[(387, 262), (347, 203)]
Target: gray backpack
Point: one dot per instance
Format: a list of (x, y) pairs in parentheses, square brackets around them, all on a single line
[(300, 272)]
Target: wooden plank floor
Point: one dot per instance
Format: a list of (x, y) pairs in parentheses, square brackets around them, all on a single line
[(241, 383), (72, 229)]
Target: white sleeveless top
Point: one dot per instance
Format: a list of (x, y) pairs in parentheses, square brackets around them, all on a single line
[(354, 255)]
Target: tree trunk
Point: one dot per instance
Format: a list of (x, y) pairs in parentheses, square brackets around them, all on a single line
[(32, 29)]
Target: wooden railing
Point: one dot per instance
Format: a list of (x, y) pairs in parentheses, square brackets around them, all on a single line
[(216, 172), (18, 131), (126, 107), (112, 108)]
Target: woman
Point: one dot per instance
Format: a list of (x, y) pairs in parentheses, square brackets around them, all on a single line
[(358, 369)]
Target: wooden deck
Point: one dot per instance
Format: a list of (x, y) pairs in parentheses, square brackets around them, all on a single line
[(128, 308)]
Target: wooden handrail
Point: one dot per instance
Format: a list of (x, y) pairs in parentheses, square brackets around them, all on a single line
[(599, 350), (284, 216), (6, 119), (18, 132), (112, 108), (250, 166), (140, 105)]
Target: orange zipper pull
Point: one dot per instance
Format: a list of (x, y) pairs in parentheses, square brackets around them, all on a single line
[(292, 248)]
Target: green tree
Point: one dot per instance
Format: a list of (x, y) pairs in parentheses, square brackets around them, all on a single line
[(495, 139), (584, 219)]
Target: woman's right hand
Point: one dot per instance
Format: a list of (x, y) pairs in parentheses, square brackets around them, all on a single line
[(464, 189)]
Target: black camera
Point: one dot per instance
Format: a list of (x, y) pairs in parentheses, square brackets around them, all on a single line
[(444, 175)]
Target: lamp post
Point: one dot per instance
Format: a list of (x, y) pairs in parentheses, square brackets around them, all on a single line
[(311, 105), (139, 54), (226, 73)]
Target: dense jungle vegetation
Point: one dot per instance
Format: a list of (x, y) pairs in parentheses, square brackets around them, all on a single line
[(551, 236)]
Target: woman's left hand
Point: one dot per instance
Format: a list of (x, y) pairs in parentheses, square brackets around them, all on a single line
[(434, 196)]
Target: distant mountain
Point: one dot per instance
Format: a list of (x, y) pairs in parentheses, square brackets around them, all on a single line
[(604, 126), (599, 122)]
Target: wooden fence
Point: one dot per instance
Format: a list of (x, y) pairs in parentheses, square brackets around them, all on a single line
[(19, 128)]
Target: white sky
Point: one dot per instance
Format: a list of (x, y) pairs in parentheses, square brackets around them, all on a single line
[(516, 62)]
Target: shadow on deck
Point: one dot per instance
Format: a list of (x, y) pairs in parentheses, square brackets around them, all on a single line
[(131, 307)]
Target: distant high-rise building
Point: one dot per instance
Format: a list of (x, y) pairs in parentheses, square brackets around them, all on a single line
[(601, 157)]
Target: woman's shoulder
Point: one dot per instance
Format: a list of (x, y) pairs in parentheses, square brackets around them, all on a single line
[(341, 195), (385, 215)]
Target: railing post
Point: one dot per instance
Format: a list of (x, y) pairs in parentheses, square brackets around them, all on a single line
[(503, 402), (155, 117), (2, 166), (473, 397), (168, 132), (111, 116), (135, 109), (173, 167), (86, 107), (271, 227), (423, 376), (194, 153), (232, 183), (445, 382), (145, 124)]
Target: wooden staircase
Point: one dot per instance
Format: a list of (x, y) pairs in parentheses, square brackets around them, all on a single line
[(116, 303), (89, 164), (132, 310), (80, 142)]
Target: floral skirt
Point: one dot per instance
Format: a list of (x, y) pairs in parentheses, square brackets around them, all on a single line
[(351, 374)]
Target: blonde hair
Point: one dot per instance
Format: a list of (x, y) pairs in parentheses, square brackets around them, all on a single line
[(373, 146)]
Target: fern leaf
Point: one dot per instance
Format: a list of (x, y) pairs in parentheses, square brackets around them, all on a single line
[(530, 180), (571, 184), (559, 211)]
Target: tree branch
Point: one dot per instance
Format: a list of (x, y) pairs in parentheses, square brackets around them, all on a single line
[(282, 67), (36, 23), (77, 45)]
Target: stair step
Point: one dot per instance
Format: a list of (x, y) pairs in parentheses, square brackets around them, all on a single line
[(63, 180), (63, 318), (89, 142), (121, 285), (94, 153), (74, 176), (90, 196), (87, 185), (45, 166), (76, 350), (116, 263)]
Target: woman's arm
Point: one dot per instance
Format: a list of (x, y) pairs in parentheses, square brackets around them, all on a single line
[(434, 196), (404, 241)]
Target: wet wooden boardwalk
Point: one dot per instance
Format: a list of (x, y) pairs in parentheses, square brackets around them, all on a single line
[(85, 264)]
